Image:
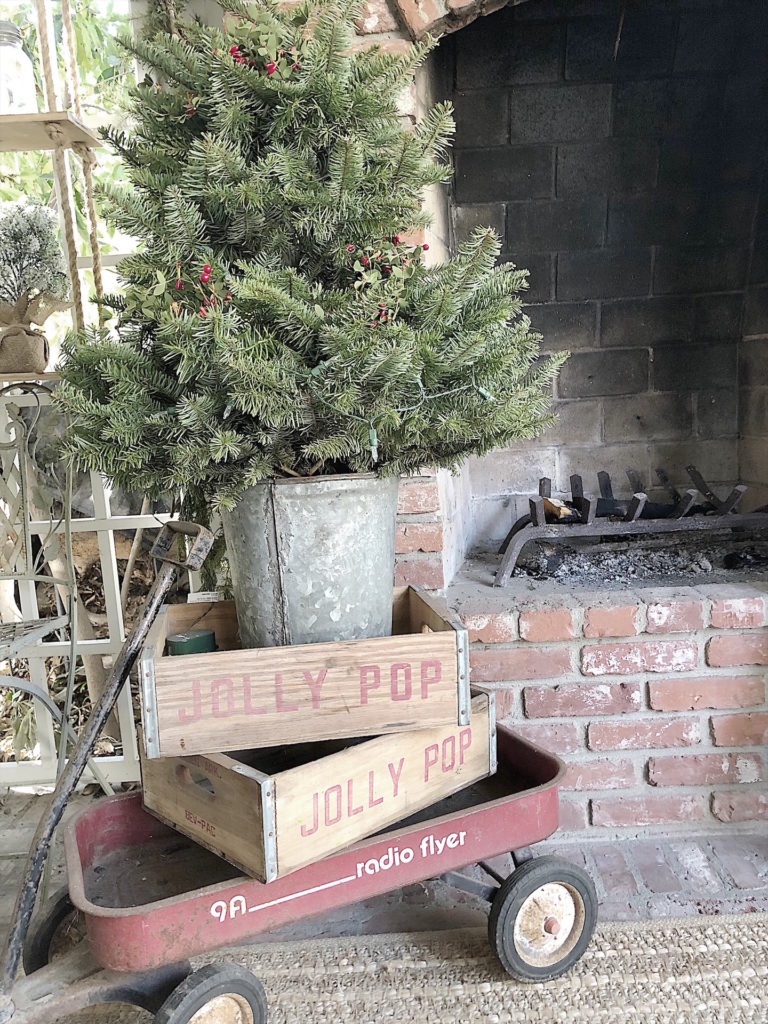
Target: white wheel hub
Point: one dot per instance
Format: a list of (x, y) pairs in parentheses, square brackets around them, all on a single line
[(548, 924), (228, 1009)]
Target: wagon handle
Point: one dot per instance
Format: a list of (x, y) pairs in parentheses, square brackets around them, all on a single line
[(201, 543), (197, 550)]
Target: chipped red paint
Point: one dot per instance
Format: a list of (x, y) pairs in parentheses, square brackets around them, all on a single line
[(137, 938)]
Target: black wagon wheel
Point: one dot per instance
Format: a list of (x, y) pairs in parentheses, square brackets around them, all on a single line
[(56, 928), (542, 918), (216, 994)]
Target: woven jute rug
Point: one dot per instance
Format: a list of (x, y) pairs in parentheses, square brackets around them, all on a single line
[(710, 970)]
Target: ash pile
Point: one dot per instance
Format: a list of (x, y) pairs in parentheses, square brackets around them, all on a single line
[(617, 565)]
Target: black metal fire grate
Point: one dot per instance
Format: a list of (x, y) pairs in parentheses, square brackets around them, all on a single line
[(585, 515)]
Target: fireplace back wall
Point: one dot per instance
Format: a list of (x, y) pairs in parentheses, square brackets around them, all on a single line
[(621, 161)]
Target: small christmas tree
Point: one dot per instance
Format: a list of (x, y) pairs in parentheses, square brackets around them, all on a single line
[(275, 321)]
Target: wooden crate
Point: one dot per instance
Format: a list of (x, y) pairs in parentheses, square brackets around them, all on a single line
[(269, 820), (237, 699)]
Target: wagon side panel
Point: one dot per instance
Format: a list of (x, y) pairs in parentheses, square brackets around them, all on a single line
[(236, 912)]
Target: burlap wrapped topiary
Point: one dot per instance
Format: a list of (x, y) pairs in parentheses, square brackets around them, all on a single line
[(33, 285), (24, 349)]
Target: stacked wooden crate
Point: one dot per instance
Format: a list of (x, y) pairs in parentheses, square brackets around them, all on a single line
[(259, 754)]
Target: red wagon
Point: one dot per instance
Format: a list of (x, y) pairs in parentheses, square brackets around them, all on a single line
[(150, 898)]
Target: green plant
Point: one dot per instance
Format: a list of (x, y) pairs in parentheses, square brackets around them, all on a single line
[(31, 260), (33, 274), (274, 321)]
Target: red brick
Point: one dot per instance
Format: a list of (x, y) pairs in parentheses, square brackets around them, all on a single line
[(414, 238), (510, 663), (675, 617), (376, 16), (600, 773), (732, 806), (505, 702), (658, 809), (557, 737), (738, 613), (729, 850), (573, 815), (686, 694), (613, 869), (648, 656), (422, 16), (644, 734), (604, 622), (750, 730), (655, 871), (420, 572), (492, 628), (724, 651), (418, 497), (704, 769), (418, 537), (546, 624), (581, 699)]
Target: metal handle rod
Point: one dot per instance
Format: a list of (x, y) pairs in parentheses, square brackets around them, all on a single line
[(65, 787)]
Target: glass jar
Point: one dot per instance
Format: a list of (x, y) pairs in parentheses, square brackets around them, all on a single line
[(17, 75)]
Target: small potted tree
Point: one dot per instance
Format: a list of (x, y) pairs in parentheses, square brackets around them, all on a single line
[(33, 284), (283, 353)]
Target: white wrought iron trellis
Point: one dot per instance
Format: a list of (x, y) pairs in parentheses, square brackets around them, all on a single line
[(118, 768)]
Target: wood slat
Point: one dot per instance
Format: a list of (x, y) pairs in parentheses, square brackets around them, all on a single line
[(23, 133), (406, 773), (234, 699), (207, 799)]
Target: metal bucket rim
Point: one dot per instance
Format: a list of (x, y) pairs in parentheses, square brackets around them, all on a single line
[(329, 479)]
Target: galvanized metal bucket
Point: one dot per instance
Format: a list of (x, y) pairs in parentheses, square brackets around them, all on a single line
[(312, 559)]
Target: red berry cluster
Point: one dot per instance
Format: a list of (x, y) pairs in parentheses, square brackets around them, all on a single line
[(238, 57), (270, 66), (208, 302), (386, 256), (382, 316)]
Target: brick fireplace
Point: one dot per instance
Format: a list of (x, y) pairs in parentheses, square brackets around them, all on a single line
[(620, 152)]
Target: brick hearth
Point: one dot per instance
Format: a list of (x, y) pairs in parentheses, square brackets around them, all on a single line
[(656, 699)]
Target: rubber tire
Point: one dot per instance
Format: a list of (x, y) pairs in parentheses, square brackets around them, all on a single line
[(508, 901), (207, 983), (43, 930)]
